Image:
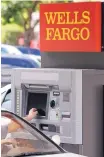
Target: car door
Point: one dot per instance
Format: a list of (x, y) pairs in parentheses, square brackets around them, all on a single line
[(25, 138)]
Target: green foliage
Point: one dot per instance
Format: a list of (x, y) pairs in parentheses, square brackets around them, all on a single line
[(11, 38), (10, 33), (18, 12)]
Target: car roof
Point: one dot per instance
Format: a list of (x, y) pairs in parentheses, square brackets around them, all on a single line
[(5, 88), (11, 48), (6, 45)]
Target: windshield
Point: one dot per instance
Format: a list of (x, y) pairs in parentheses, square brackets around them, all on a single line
[(20, 138)]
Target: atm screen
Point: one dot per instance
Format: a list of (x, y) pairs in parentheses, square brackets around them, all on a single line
[(38, 101)]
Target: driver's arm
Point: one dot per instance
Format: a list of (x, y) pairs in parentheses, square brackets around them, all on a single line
[(13, 126), (8, 141)]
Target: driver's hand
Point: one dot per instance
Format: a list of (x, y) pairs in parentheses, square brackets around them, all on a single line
[(9, 142), (32, 114)]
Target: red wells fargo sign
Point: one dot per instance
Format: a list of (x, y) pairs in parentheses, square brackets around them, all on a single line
[(70, 27)]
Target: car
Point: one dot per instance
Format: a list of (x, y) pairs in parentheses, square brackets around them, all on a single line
[(27, 140), (6, 97), (22, 61), (8, 62), (9, 49), (27, 50), (12, 50)]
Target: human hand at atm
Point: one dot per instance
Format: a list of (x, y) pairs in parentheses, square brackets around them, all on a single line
[(14, 125), (32, 114)]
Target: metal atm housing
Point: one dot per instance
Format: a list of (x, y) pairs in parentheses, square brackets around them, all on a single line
[(54, 91), (71, 101)]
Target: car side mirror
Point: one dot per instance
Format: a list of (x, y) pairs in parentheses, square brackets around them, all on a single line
[(56, 139)]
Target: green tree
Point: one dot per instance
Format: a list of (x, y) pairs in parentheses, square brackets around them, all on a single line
[(19, 12)]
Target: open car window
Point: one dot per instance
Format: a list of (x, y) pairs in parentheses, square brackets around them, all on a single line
[(25, 140)]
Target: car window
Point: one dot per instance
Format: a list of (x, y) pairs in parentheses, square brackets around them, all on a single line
[(4, 50), (24, 50), (25, 139), (27, 50)]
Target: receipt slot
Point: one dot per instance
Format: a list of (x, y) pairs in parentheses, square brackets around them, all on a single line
[(70, 102)]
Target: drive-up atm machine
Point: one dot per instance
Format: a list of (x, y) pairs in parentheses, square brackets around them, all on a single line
[(70, 100), (56, 92)]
